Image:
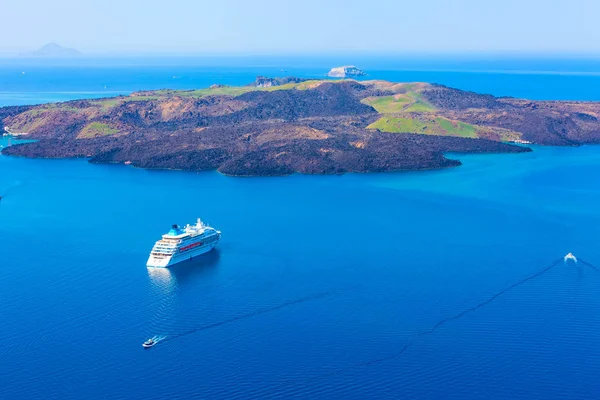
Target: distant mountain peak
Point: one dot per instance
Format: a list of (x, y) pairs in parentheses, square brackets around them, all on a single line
[(53, 50)]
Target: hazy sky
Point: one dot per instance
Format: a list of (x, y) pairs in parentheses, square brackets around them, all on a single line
[(275, 26)]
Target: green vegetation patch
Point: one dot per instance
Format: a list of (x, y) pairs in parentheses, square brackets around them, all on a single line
[(95, 129), (232, 91), (420, 105), (457, 128), (117, 101), (142, 98), (397, 125), (436, 126), (388, 104), (409, 102), (61, 107), (108, 103), (313, 83), (218, 91), (287, 86)]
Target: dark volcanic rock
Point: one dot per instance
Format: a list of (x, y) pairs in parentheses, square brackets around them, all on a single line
[(454, 99), (585, 117), (543, 122), (272, 149), (317, 128), (329, 99), (192, 160)]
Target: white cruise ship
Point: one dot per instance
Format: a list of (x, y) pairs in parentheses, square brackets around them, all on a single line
[(182, 244)]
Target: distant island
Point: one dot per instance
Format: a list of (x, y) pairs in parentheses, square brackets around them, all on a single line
[(53, 50), (279, 126), (347, 71)]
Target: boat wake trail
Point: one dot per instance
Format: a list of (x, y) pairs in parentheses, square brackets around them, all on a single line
[(588, 264), (462, 314), (8, 190), (249, 315), (442, 322), (158, 338)]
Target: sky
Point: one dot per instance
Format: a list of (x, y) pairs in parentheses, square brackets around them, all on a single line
[(307, 26)]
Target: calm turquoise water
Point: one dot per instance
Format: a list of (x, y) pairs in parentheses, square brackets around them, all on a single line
[(318, 284)]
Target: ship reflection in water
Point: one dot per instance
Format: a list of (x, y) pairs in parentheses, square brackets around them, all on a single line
[(169, 279)]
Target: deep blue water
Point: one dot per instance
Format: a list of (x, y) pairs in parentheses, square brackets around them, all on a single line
[(24, 81), (318, 283)]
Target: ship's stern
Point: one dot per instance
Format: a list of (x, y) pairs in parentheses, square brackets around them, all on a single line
[(158, 261)]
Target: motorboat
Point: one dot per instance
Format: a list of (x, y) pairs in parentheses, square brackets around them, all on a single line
[(149, 343)]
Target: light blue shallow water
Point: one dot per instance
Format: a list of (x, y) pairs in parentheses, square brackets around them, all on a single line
[(318, 284)]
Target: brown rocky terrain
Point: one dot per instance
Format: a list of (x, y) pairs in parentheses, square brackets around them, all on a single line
[(543, 122), (281, 126)]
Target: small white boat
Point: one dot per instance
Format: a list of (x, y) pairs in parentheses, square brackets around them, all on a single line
[(570, 256), (149, 343)]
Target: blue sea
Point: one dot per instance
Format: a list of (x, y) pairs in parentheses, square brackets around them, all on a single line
[(356, 286)]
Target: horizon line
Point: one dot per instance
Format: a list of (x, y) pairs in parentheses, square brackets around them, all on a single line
[(327, 53)]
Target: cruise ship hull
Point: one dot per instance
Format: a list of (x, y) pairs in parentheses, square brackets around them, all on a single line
[(165, 262), (181, 244)]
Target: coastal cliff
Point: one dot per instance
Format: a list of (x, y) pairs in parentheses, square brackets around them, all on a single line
[(288, 125)]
